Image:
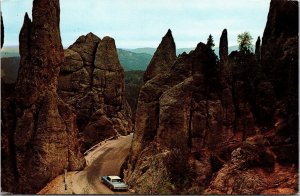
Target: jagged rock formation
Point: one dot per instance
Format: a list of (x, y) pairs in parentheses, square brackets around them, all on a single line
[(92, 81), (280, 64), (163, 57), (281, 30), (223, 48), (178, 114), (221, 126), (41, 134), (258, 166), (2, 31), (257, 49), (280, 61)]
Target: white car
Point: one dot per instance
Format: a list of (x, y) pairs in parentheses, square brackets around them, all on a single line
[(114, 183)]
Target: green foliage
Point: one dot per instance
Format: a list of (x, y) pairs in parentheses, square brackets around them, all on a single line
[(211, 72), (9, 68), (245, 42), (133, 84), (210, 41), (155, 180), (134, 77), (180, 171), (133, 61)]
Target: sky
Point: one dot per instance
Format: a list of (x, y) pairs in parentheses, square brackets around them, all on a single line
[(142, 23)]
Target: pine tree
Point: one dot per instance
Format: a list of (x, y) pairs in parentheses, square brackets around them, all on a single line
[(245, 42), (210, 41)]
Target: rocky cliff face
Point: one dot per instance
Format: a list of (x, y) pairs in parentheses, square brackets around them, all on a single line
[(280, 63), (163, 58), (220, 126), (259, 164), (92, 81), (42, 136)]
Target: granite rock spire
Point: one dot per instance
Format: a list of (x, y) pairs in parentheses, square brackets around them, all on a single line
[(163, 57)]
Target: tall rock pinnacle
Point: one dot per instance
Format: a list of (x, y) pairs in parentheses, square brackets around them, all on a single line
[(223, 51), (257, 49), (2, 31), (45, 140), (163, 58)]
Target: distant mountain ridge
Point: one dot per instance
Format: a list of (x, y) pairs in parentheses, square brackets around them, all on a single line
[(149, 50), (13, 51), (10, 51), (130, 59)]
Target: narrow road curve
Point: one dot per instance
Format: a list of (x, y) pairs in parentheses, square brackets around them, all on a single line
[(105, 159), (109, 162)]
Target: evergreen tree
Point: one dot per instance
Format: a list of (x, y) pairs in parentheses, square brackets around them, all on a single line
[(210, 41), (245, 42)]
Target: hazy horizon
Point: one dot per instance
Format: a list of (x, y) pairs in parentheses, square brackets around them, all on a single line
[(14, 46), (135, 24)]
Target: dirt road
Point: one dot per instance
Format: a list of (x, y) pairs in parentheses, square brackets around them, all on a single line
[(105, 159)]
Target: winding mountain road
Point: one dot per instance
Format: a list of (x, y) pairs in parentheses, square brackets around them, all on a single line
[(106, 159)]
